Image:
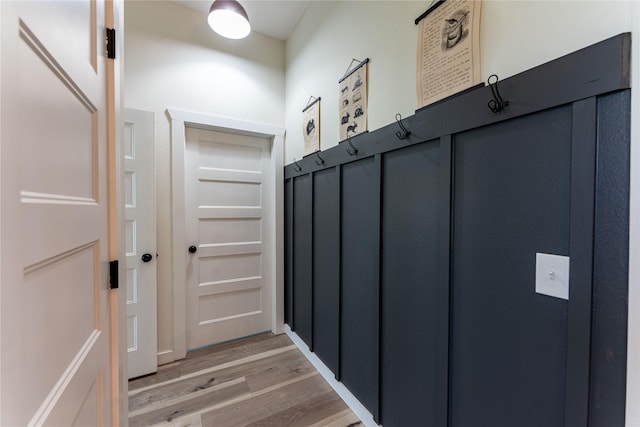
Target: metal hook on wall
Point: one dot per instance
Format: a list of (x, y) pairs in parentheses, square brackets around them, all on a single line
[(353, 150), (319, 160), (497, 104), (403, 133), (297, 167)]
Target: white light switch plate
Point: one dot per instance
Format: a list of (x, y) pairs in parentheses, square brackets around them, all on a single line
[(552, 275)]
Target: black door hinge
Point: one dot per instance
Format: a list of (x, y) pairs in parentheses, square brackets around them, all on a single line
[(113, 274), (111, 43)]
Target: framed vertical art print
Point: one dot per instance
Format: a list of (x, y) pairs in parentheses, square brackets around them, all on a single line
[(311, 126), (352, 100)]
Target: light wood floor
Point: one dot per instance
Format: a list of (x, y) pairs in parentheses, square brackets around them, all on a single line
[(258, 381)]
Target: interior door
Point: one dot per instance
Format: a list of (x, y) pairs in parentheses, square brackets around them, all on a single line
[(140, 228), (55, 351), (228, 287)]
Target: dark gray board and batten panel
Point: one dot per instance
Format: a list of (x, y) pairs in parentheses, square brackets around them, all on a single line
[(611, 263), (326, 266), (520, 184), (412, 378), (359, 287), (508, 343), (302, 257)]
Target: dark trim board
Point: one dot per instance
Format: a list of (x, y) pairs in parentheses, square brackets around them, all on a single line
[(410, 265), (445, 243), (583, 171), (288, 253), (339, 302)]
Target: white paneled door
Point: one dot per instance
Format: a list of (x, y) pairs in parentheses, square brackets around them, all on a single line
[(140, 228), (56, 356), (228, 290)]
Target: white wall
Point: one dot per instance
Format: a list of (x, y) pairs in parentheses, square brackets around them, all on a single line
[(515, 36), (318, 53), (173, 59)]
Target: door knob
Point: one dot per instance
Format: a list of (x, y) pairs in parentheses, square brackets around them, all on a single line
[(192, 249), (146, 257)]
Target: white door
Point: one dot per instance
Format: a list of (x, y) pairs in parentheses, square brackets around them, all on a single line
[(140, 228), (226, 185), (55, 349)]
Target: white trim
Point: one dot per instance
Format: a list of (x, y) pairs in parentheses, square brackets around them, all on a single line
[(352, 402), (223, 122), (275, 230), (633, 344), (165, 357), (178, 217), (120, 299)]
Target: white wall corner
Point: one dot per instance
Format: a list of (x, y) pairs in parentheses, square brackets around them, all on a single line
[(277, 158)]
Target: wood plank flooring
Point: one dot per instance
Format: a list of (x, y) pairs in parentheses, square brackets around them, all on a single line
[(260, 381)]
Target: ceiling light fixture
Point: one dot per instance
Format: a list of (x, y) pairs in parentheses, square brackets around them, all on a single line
[(229, 19)]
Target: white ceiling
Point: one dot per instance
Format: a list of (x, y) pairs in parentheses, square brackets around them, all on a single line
[(275, 18)]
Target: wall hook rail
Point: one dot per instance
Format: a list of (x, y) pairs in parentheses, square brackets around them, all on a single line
[(497, 104), (297, 167), (403, 133), (319, 160)]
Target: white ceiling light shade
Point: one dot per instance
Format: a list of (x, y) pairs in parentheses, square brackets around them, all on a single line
[(229, 19)]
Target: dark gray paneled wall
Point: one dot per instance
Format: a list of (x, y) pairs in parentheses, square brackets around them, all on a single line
[(359, 280), (326, 266), (411, 297), (511, 200), (302, 257), (611, 263), (410, 265)]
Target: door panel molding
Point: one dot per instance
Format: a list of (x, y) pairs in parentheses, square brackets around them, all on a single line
[(274, 232)]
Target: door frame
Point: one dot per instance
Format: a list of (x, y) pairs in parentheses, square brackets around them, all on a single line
[(180, 119), (114, 18)]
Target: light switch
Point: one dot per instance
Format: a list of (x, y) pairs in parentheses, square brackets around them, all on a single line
[(552, 275)]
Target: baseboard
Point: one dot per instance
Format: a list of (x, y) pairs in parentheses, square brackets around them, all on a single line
[(165, 357), (352, 402)]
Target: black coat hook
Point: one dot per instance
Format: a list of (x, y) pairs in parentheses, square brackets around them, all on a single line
[(319, 160), (352, 151), (297, 167), (403, 133), (497, 104)]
